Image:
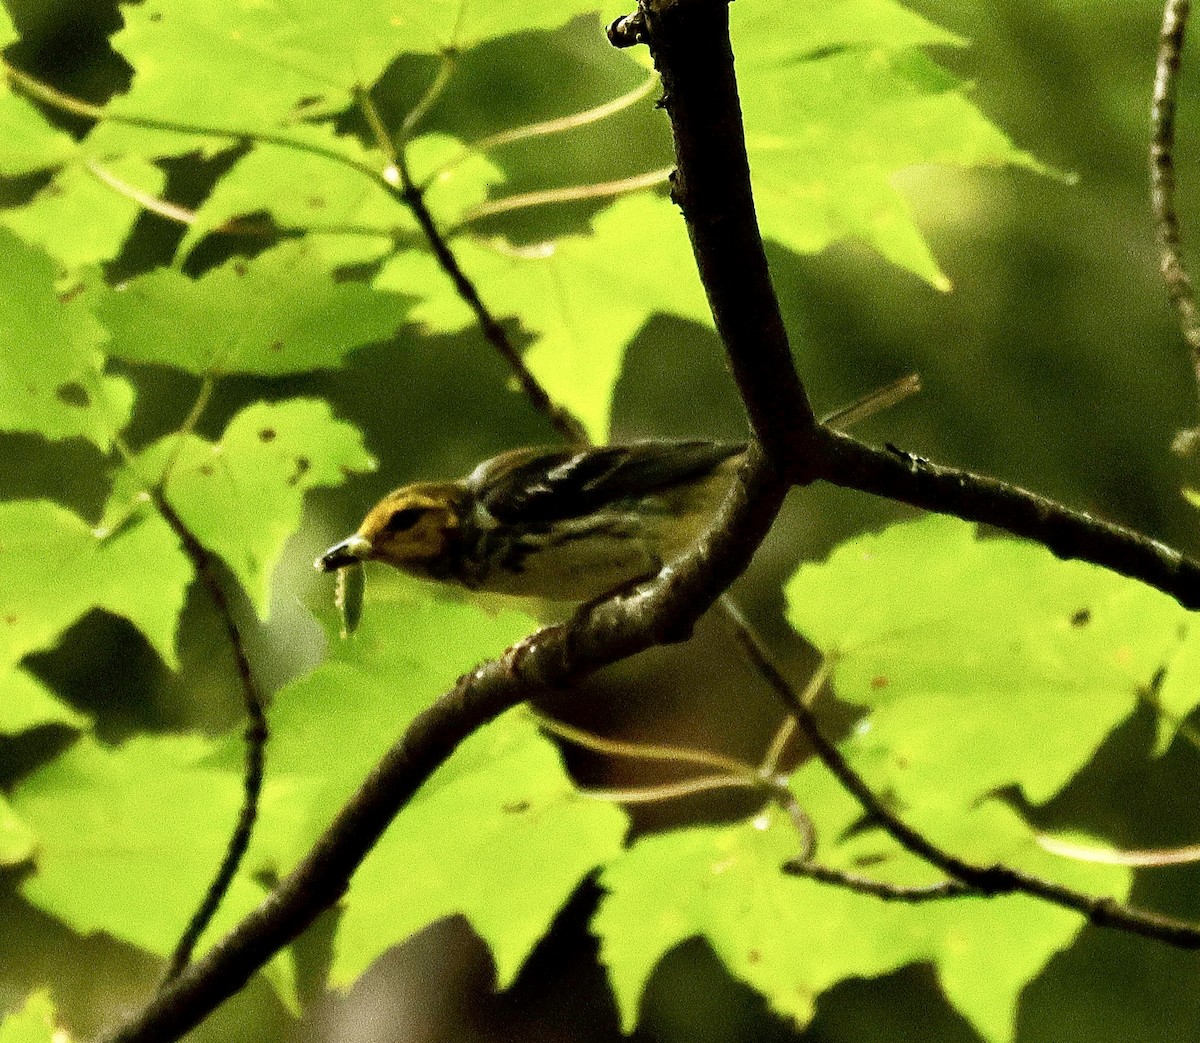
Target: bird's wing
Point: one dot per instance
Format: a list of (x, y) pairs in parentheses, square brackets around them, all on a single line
[(547, 486)]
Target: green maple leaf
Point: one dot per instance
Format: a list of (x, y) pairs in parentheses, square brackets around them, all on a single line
[(51, 380), (242, 496), (983, 663), (54, 568), (793, 939), (280, 313)]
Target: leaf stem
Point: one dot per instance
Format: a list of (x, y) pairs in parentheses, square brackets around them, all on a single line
[(543, 129), (565, 194), (57, 99), (188, 427), (419, 111), (670, 790), (645, 751)]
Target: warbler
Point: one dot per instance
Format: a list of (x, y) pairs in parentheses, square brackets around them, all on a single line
[(561, 524)]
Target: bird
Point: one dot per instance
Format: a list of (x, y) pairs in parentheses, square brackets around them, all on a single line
[(565, 524)]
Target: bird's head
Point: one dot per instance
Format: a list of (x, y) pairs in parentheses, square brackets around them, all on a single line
[(413, 528)]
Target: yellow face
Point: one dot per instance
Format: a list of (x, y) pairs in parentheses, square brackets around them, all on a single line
[(412, 526)]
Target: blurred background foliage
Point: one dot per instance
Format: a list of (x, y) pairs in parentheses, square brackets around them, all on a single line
[(1055, 363)]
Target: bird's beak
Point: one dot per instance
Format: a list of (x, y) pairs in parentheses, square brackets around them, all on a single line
[(350, 551)]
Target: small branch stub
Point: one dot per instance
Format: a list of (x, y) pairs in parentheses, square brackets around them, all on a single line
[(628, 30)]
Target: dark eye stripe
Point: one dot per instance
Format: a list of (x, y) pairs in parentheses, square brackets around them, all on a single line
[(404, 519)]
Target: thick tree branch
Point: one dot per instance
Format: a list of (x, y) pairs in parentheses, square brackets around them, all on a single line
[(558, 656), (689, 40), (690, 43), (1066, 533)]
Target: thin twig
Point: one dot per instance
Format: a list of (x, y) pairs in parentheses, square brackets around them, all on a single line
[(986, 881), (384, 178), (255, 735), (878, 888), (407, 192), (256, 732), (1162, 190)]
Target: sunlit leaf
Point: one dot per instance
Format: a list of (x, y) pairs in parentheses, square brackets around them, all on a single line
[(282, 312), (50, 359), (17, 840), (334, 723), (307, 189), (271, 62), (794, 939), (130, 838), (33, 1023), (519, 827), (27, 141), (54, 569), (782, 34), (26, 703), (836, 102), (455, 177), (79, 219), (520, 830), (242, 496), (350, 214), (984, 663)]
